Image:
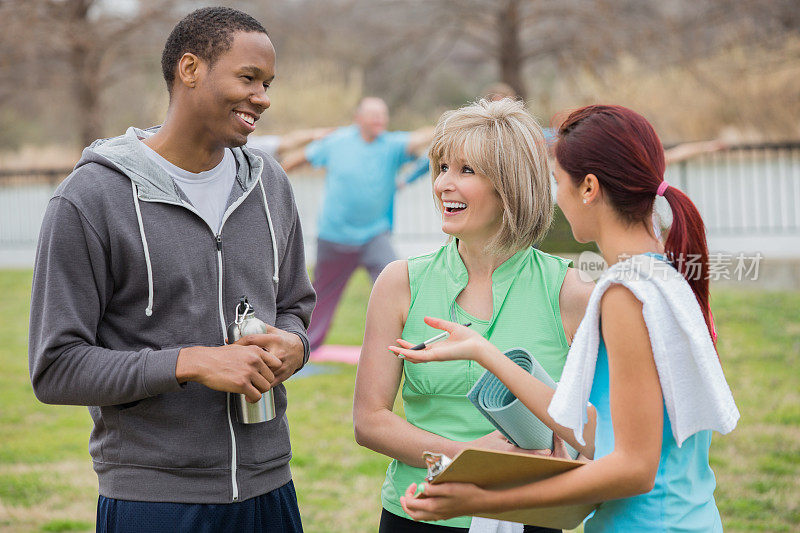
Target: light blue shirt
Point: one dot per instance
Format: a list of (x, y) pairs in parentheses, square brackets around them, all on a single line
[(360, 183), (683, 496)]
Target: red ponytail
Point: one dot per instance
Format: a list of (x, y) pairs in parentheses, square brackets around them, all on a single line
[(623, 151), (686, 247)]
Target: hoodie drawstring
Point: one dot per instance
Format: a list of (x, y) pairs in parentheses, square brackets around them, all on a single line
[(149, 310), (271, 232)]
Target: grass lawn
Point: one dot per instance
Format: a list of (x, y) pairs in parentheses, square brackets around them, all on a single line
[(47, 484)]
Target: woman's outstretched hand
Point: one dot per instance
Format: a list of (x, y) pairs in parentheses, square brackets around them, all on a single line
[(462, 343)]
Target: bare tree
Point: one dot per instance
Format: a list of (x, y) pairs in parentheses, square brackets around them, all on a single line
[(418, 54), (394, 40), (508, 34), (89, 42), (512, 35)]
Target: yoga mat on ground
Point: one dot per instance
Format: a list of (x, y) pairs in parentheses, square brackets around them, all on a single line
[(509, 415)]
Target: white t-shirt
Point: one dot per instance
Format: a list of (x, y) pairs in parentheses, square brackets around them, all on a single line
[(208, 191)]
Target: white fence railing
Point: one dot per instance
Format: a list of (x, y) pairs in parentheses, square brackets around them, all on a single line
[(752, 189), (749, 197)]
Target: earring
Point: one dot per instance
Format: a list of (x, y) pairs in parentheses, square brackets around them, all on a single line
[(585, 201)]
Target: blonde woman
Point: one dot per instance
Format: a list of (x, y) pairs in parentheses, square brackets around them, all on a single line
[(491, 183)]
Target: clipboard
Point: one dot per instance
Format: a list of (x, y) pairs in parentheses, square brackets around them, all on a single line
[(492, 469)]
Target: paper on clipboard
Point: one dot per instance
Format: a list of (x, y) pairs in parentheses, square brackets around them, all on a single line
[(495, 470)]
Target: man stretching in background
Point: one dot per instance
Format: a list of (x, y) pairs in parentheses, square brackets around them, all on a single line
[(361, 161)]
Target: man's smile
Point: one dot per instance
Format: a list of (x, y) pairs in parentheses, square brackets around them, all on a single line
[(247, 119)]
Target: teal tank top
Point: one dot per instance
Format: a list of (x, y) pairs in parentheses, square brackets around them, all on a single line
[(525, 314), (682, 498)]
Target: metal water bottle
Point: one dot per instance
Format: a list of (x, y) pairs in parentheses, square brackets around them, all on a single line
[(246, 323)]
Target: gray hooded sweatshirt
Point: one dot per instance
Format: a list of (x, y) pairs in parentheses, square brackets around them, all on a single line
[(127, 273)]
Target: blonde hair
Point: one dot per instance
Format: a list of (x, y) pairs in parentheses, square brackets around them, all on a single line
[(503, 142)]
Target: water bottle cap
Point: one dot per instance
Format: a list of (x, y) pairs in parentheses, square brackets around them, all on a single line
[(243, 309)]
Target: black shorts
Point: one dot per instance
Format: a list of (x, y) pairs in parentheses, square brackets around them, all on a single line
[(275, 511)]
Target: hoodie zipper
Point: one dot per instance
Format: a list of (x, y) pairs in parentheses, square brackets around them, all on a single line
[(223, 326), (234, 484), (218, 240)]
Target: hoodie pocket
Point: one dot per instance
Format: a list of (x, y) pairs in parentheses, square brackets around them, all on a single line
[(183, 429)]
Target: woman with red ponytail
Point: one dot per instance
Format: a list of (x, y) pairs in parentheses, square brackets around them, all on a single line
[(621, 149), (642, 387)]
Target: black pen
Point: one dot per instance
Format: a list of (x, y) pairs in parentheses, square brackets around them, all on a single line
[(440, 336)]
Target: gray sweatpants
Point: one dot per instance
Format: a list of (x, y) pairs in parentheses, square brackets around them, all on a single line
[(335, 264)]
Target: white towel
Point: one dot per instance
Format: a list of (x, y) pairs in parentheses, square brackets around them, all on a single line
[(695, 392), (487, 525)]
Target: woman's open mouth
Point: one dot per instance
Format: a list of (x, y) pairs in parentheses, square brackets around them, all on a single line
[(452, 208)]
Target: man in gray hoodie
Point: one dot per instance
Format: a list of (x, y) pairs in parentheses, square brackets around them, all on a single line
[(144, 252)]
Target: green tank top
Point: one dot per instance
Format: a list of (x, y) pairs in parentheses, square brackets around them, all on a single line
[(525, 314)]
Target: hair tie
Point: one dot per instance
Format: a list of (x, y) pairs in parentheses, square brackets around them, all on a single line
[(662, 188)]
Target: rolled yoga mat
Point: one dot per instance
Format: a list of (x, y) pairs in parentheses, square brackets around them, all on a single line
[(509, 415)]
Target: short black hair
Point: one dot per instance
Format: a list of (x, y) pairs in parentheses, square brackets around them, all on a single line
[(206, 33)]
